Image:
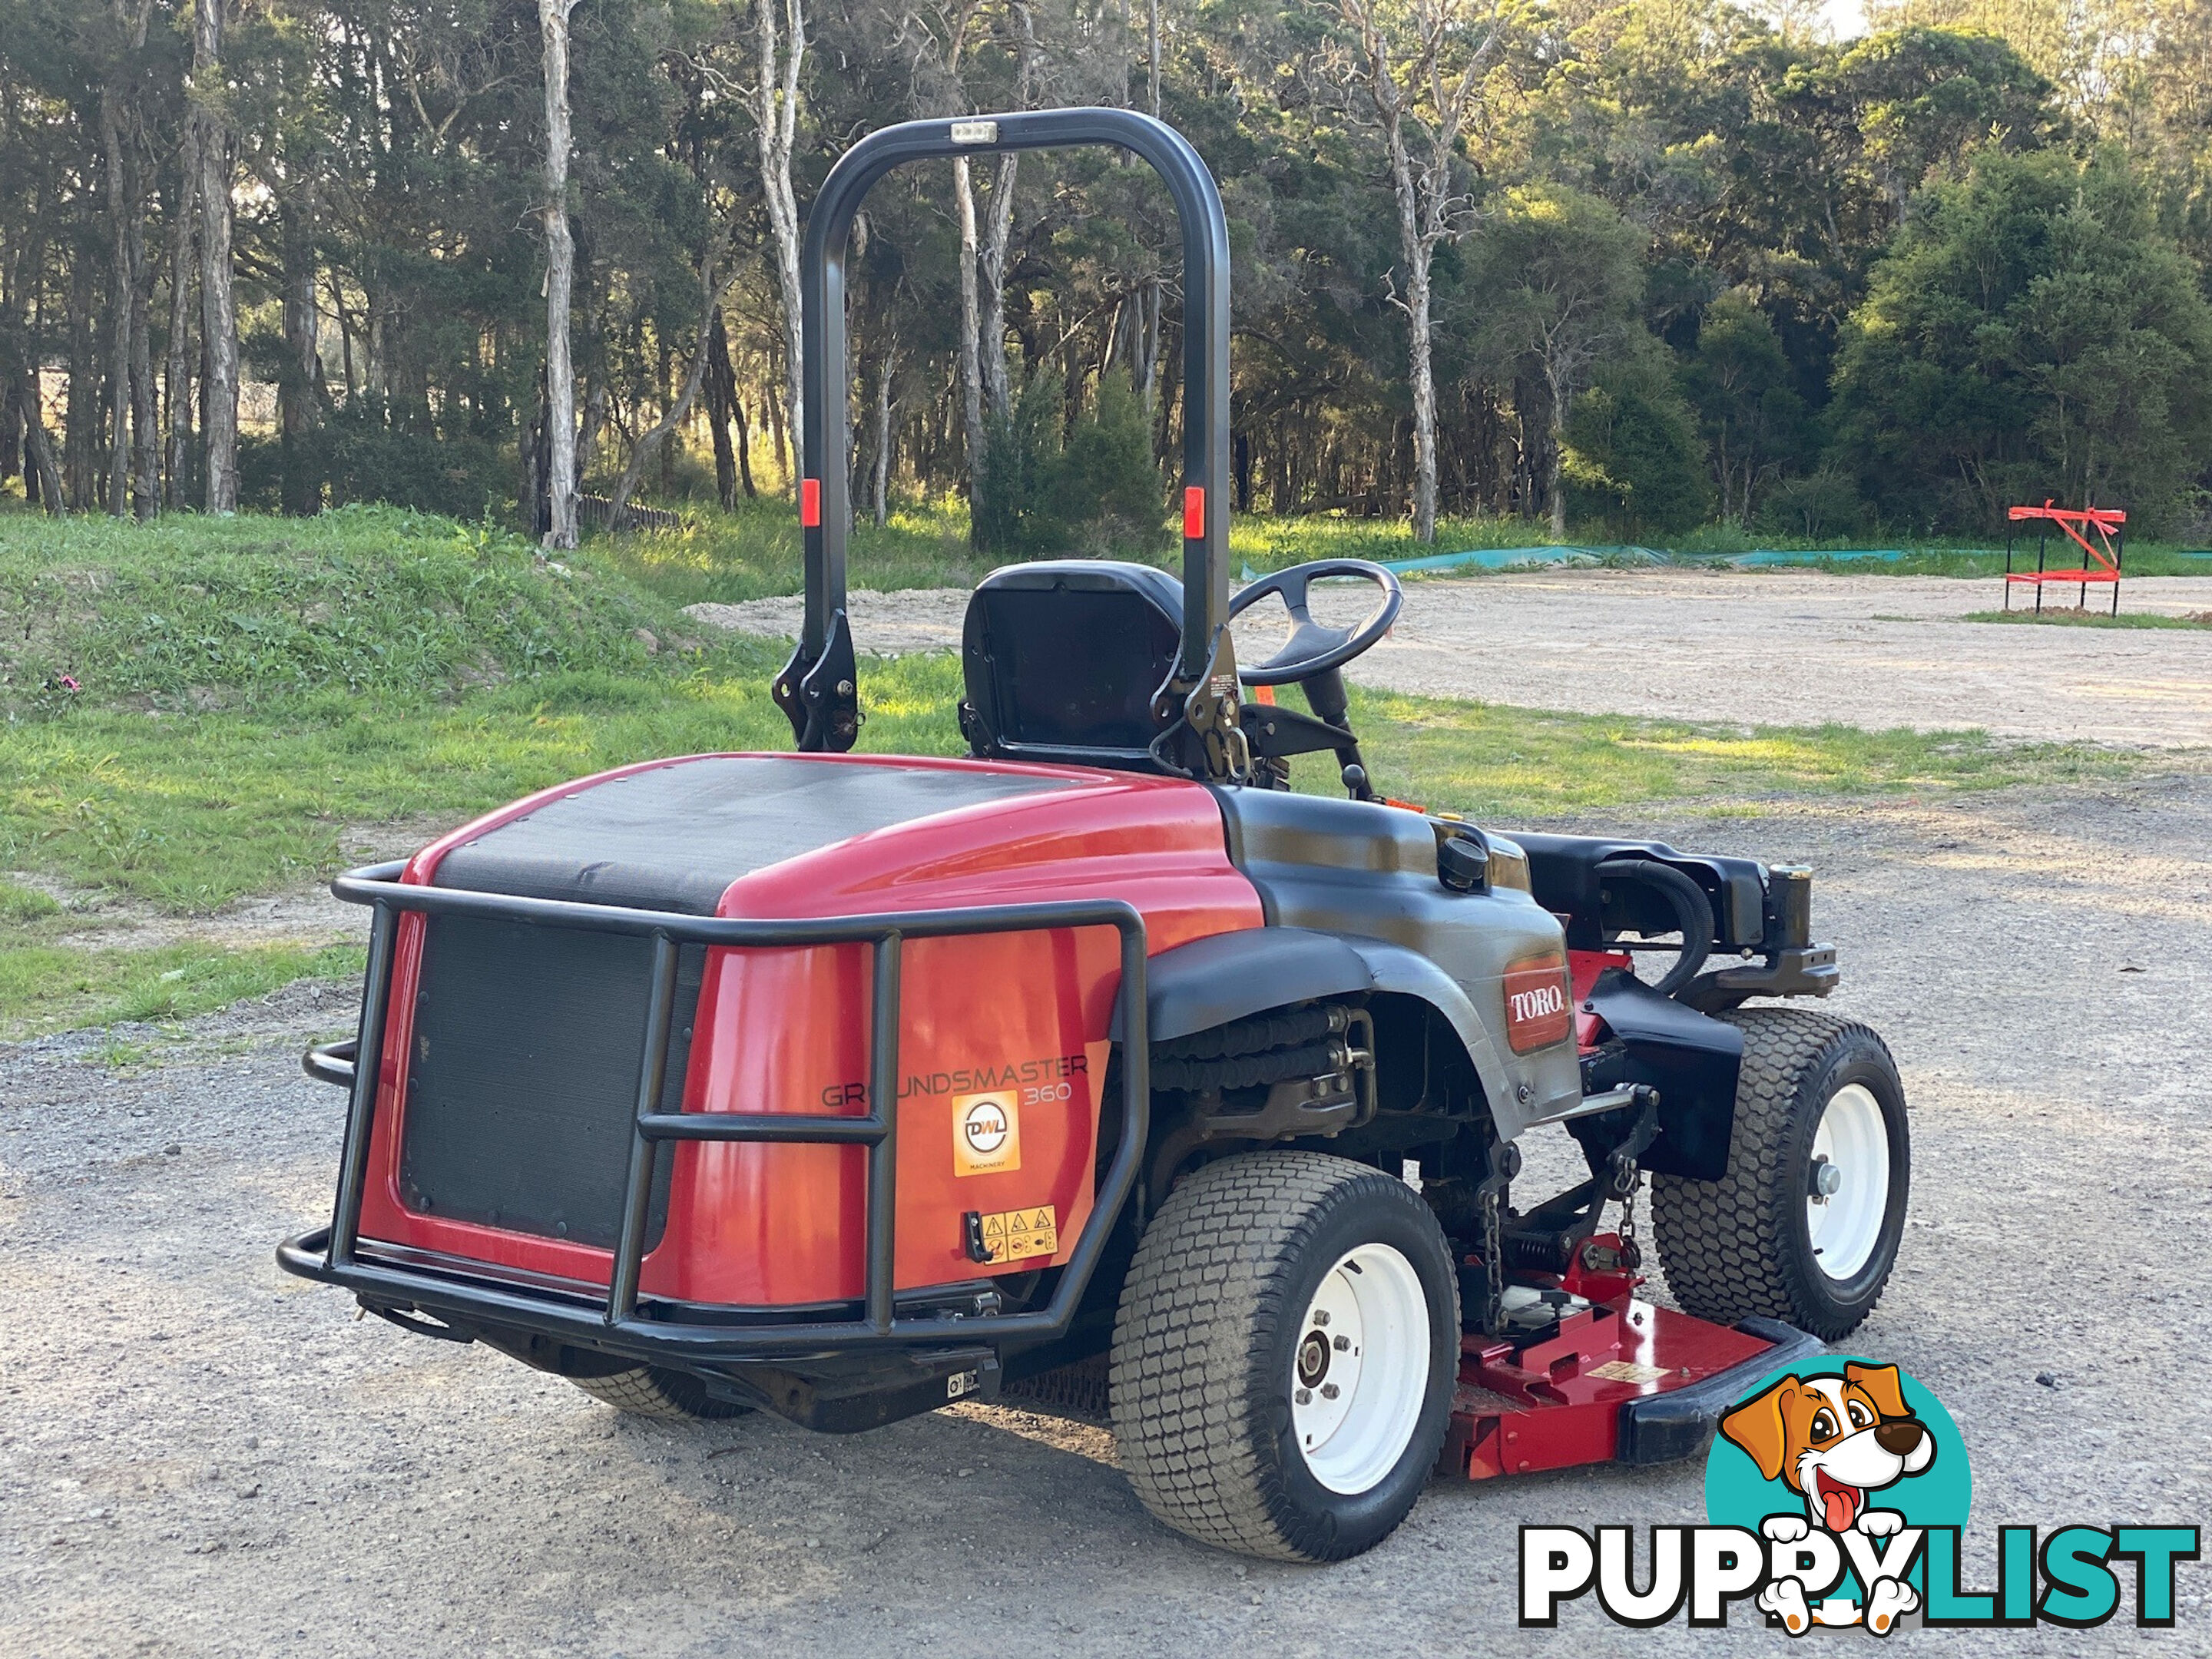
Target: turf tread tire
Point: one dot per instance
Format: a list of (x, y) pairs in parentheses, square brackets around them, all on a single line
[(1723, 1243), (650, 1391), (1215, 1281)]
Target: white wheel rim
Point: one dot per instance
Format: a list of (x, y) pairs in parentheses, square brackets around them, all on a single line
[(1854, 1140), (1360, 1369)]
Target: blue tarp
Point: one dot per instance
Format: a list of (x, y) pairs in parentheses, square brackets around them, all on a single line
[(1773, 556), (1507, 558), (1510, 558)]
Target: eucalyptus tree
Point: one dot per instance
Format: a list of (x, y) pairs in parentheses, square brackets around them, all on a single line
[(1562, 272), (215, 155), (1417, 67)]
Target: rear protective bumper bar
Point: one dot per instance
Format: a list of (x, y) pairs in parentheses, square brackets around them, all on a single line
[(616, 1323)]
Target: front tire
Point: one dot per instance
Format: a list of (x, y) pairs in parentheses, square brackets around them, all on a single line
[(1284, 1356), (1818, 1105)]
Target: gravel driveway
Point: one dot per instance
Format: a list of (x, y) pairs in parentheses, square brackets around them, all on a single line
[(1786, 648), (199, 1455)]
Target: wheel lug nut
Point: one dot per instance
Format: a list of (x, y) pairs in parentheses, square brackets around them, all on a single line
[(1329, 1390), (1320, 1318), (1304, 1396), (1342, 1343)]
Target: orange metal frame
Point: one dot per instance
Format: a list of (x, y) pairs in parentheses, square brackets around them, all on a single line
[(2102, 557)]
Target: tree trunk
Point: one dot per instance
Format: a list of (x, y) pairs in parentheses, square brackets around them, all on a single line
[(721, 401), (145, 414), (744, 442), (346, 334), (1555, 382), (121, 288), (991, 339), (560, 279), (1416, 250), (299, 390), (776, 117), (42, 480), (537, 502), (81, 412), (672, 415), (1148, 362), (778, 442), (218, 311), (879, 489), (971, 327)]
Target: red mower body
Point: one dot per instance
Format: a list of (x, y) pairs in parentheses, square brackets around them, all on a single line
[(1018, 1016)]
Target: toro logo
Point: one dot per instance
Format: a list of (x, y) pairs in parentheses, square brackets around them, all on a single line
[(1838, 1490), (1537, 1011), (986, 1133)]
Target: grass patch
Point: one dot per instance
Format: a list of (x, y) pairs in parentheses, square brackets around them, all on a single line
[(1504, 764), (190, 811), (755, 552), (193, 613), (50, 988), (2201, 621), (21, 904)]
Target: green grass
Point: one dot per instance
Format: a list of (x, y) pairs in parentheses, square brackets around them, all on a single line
[(754, 552), (189, 811), (21, 904), (373, 667), (48, 987), (1508, 764), (2201, 622), (195, 611)]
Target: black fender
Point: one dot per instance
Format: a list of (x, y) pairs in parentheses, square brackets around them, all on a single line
[(1691, 1059), (1212, 980)]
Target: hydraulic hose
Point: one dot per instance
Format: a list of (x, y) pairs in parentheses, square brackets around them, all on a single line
[(1693, 913)]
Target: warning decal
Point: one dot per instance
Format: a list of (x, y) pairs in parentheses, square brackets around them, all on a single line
[(1012, 1234), (1627, 1370), (986, 1133)]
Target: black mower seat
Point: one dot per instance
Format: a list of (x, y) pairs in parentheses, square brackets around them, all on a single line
[(1061, 658)]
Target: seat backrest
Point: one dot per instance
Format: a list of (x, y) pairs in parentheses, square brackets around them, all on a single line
[(1061, 660)]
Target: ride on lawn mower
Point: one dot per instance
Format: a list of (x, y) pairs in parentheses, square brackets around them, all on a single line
[(845, 1086)]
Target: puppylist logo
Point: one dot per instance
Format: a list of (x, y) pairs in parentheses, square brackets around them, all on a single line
[(1837, 1491)]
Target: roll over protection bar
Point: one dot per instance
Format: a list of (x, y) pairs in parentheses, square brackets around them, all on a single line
[(818, 689)]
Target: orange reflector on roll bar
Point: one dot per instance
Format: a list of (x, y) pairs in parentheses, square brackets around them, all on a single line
[(810, 503), (1193, 512)]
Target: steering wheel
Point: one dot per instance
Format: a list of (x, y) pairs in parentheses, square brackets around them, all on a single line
[(1313, 648)]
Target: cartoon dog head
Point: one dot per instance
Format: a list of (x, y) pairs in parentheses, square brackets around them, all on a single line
[(1833, 1439)]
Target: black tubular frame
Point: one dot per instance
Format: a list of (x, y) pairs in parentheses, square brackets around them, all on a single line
[(332, 1254), (823, 709)]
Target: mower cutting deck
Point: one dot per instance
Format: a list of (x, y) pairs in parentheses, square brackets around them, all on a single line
[(844, 1086)]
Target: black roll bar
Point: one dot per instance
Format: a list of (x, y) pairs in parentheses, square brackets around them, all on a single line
[(818, 689)]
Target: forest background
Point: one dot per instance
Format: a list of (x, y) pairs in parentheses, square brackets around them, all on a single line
[(1645, 265)]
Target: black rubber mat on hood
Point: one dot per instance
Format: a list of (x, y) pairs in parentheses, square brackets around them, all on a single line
[(675, 838)]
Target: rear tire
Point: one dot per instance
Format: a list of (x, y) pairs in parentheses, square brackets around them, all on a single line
[(1756, 1242), (1286, 1355), (650, 1391)]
